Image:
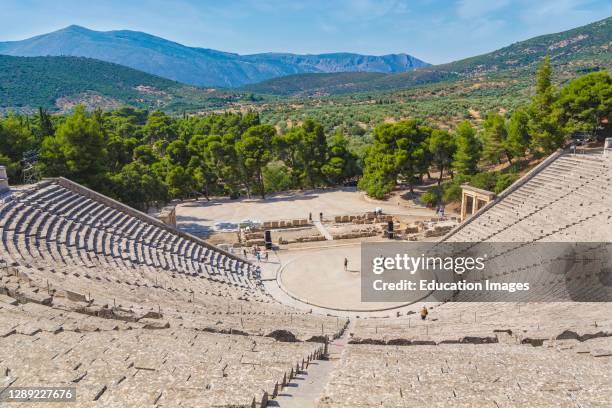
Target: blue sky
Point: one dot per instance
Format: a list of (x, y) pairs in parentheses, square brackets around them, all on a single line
[(436, 31)]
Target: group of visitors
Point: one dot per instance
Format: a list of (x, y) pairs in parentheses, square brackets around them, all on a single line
[(320, 217), (257, 253)]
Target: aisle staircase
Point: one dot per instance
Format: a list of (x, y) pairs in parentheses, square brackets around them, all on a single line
[(323, 230)]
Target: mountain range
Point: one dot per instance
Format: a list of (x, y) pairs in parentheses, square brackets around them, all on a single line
[(196, 66), (581, 49), (59, 82)]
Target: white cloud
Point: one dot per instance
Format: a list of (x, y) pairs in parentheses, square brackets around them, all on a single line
[(470, 9), (366, 10), (545, 11)]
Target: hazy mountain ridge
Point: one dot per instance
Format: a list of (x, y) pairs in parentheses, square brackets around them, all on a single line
[(586, 47), (196, 66), (58, 82)]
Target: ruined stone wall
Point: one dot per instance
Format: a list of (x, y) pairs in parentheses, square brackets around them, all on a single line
[(168, 216), (4, 186)]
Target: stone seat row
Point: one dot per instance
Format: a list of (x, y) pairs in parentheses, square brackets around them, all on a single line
[(545, 201), (192, 301), (467, 375), (130, 365), (73, 223), (456, 319)]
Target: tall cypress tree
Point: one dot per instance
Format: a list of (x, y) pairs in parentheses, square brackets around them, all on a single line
[(45, 125), (543, 125), (494, 138), (518, 133), (465, 161)]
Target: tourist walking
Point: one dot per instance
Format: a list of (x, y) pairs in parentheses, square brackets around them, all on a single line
[(345, 264), (424, 313)]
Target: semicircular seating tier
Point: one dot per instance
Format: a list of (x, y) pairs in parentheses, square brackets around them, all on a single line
[(84, 280), (566, 199), (545, 349)]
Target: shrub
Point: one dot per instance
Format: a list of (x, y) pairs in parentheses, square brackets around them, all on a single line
[(484, 180), (13, 169), (504, 181), (277, 177), (431, 198), (378, 190), (452, 192)]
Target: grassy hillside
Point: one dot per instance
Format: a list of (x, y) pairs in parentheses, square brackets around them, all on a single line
[(580, 49), (58, 83), (443, 104), (442, 94), (343, 83), (297, 85)]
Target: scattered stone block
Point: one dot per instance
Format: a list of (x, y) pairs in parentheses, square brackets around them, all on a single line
[(75, 297), (5, 332), (8, 300), (283, 336), (146, 364), (601, 353), (28, 330), (37, 297), (154, 324), (152, 315)]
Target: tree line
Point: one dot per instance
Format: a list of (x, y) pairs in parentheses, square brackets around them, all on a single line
[(406, 151), (148, 158)]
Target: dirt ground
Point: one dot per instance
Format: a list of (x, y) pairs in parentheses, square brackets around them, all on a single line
[(317, 276), (198, 217)]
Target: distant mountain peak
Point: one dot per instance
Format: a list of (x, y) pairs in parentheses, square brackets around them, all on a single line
[(197, 66), (74, 27), (71, 29)]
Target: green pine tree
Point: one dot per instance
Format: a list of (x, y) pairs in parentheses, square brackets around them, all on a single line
[(467, 156), (543, 124)]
